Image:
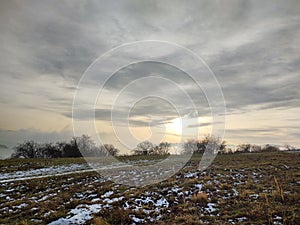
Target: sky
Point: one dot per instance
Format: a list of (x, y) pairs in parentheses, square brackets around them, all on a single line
[(251, 47)]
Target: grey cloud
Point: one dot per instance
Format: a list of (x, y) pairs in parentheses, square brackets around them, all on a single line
[(12, 137), (66, 42), (200, 125), (145, 112), (253, 131), (252, 47), (259, 72)]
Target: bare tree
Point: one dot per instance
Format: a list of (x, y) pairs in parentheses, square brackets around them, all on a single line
[(255, 148), (162, 149), (244, 148), (31, 149), (190, 146), (270, 148), (71, 149), (112, 150), (209, 144), (27, 149), (85, 144), (50, 150), (290, 147), (212, 145), (144, 148)]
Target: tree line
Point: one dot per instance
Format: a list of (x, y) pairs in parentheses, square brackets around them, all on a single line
[(77, 147), (254, 148), (85, 146)]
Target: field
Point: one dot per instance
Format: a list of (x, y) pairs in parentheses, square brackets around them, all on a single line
[(248, 188)]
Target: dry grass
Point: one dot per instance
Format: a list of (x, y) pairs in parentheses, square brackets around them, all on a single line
[(259, 188), (200, 198)]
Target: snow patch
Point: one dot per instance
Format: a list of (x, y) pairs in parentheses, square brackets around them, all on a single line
[(79, 215)]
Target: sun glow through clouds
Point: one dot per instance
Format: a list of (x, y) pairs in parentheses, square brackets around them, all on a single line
[(175, 126)]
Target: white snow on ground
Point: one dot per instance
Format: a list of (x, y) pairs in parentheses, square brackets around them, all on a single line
[(199, 186), (191, 175), (63, 170), (137, 220), (45, 197), (44, 172), (162, 202), (277, 217), (211, 207), (79, 215), (109, 201), (175, 189), (153, 213), (277, 220), (152, 204), (241, 219), (96, 200), (83, 213), (107, 194), (22, 205), (255, 196), (235, 192)]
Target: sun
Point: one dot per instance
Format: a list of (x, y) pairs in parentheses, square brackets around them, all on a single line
[(175, 126)]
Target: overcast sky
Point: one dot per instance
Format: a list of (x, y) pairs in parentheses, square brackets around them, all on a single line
[(252, 47)]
